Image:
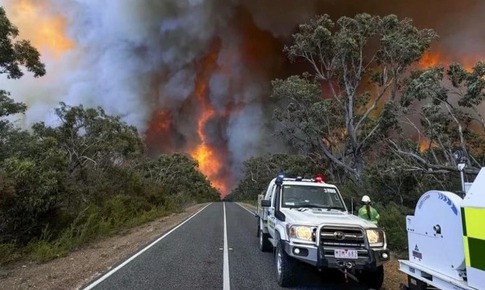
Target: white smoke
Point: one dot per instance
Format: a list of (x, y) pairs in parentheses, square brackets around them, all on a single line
[(120, 49)]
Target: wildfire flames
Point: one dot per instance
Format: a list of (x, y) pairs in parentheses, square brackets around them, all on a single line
[(437, 58), (209, 161), (425, 144), (430, 59)]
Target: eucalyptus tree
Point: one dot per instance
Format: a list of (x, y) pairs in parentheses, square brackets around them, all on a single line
[(346, 103), (92, 139)]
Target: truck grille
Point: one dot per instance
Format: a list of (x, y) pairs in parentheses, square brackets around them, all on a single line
[(334, 237)]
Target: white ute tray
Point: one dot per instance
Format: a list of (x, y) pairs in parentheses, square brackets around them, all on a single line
[(431, 277)]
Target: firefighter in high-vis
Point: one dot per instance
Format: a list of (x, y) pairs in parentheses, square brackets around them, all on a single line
[(367, 211)]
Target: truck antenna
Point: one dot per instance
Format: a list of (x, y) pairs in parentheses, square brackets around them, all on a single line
[(460, 159)]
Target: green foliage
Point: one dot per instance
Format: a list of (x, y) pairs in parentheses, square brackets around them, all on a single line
[(8, 253), (92, 139), (394, 222), (87, 178), (95, 222), (150, 215), (305, 116), (167, 169), (9, 106), (401, 42), (43, 251), (38, 179)]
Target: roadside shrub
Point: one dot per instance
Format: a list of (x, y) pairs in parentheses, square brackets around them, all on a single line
[(8, 253), (393, 220), (148, 216), (43, 251)]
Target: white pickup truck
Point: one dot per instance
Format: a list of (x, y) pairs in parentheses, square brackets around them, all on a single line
[(307, 220)]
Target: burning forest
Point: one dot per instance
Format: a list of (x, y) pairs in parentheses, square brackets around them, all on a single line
[(194, 76)]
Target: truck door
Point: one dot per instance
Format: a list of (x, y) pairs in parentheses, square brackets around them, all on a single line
[(271, 211)]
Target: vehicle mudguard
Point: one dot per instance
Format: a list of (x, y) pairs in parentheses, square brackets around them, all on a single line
[(282, 232)]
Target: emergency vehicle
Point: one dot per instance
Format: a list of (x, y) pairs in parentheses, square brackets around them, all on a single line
[(446, 239), (306, 220)]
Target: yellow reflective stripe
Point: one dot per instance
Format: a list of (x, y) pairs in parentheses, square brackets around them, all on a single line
[(474, 218), (467, 251), (474, 241)]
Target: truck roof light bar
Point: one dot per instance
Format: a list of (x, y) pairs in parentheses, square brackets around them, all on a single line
[(320, 178), (280, 178)]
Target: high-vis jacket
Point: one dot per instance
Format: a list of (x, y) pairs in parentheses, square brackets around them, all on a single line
[(374, 215)]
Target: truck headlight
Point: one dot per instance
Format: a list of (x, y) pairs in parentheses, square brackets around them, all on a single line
[(301, 233), (376, 238)]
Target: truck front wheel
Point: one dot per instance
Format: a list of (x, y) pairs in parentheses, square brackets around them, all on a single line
[(259, 228), (285, 267), (373, 278), (264, 244)]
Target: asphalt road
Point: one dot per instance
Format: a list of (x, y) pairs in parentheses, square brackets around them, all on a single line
[(201, 253)]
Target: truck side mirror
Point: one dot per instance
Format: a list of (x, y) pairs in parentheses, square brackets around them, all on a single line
[(265, 203)]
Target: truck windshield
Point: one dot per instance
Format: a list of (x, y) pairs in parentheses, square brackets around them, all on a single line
[(296, 196)]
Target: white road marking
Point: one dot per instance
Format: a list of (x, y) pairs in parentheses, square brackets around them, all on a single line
[(95, 283), (226, 284)]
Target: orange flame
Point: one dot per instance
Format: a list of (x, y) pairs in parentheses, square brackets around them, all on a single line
[(209, 161), (425, 144), (46, 31), (430, 59), (436, 58)]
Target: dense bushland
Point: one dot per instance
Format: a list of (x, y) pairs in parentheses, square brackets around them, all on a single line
[(86, 178)]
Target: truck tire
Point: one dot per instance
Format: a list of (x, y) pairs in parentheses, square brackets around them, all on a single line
[(259, 229), (285, 267), (264, 244), (373, 279)]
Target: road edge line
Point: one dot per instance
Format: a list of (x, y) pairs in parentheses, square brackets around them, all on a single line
[(102, 278), (225, 271), (253, 213)]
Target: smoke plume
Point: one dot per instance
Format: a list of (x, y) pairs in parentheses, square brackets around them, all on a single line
[(194, 75)]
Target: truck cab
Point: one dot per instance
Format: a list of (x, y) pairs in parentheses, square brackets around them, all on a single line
[(307, 220)]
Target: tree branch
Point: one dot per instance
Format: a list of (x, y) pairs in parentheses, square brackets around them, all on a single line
[(330, 156)]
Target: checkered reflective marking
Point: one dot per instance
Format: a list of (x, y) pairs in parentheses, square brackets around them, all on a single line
[(474, 237)]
